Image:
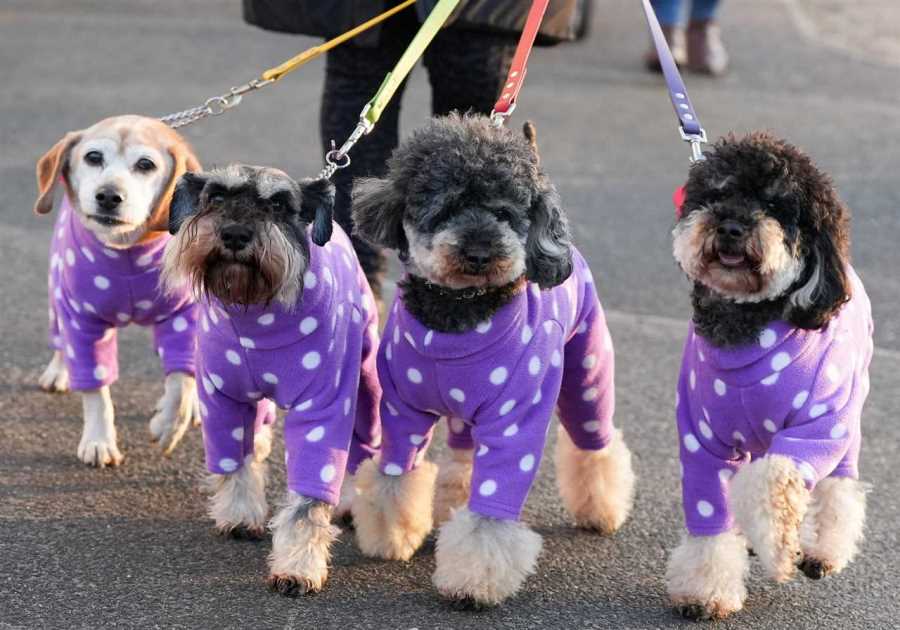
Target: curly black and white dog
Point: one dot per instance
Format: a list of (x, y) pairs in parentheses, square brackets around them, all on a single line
[(496, 321), (775, 370)]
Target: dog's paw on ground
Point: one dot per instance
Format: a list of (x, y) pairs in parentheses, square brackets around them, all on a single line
[(292, 585), (99, 453), (55, 378), (243, 532)]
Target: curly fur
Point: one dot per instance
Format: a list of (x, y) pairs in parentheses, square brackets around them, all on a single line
[(834, 525), (460, 186), (597, 487), (392, 515), (302, 535), (769, 500), (705, 575), (454, 484), (796, 244), (482, 561)]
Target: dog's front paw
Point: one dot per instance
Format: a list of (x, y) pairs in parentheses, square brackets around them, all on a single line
[(175, 411), (770, 499), (55, 377), (302, 535), (705, 576), (482, 561), (238, 503), (292, 585), (99, 451)]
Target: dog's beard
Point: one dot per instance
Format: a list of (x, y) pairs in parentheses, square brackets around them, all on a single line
[(441, 261), (271, 269), (764, 270)]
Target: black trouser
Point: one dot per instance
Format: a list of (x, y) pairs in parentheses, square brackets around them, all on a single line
[(466, 70)]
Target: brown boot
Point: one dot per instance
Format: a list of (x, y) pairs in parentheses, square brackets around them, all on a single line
[(706, 53), (675, 38)]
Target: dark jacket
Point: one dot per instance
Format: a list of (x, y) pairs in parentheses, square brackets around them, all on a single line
[(565, 19)]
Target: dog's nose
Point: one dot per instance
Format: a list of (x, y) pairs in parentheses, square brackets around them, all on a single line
[(108, 198), (236, 237), (731, 229), (478, 258)]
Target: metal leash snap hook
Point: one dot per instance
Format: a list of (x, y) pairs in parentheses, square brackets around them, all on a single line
[(337, 159), (696, 140), (499, 118)]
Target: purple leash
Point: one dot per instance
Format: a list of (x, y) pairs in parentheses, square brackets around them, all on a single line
[(688, 123)]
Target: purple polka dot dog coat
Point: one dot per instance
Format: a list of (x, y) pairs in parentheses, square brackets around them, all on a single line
[(796, 393), (501, 381), (95, 289), (315, 359)]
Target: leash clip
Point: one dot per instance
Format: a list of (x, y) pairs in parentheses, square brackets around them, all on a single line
[(696, 140), (337, 159), (499, 118)]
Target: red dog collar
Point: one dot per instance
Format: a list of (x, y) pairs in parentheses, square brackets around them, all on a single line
[(678, 200)]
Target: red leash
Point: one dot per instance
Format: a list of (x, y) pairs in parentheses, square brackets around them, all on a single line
[(505, 105)]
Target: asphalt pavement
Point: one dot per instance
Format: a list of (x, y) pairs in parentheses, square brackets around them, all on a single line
[(132, 547)]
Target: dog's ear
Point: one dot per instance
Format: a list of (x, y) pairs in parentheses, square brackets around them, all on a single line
[(185, 199), (317, 207), (827, 286), (183, 161), (548, 249), (378, 213), (51, 168)]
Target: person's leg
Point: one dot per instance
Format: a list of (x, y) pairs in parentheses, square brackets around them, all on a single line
[(466, 70), (670, 14), (352, 76), (705, 52), (668, 11), (704, 9)]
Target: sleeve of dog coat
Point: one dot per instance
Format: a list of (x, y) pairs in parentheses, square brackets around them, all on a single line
[(228, 427), (406, 431), (176, 340), (510, 432), (89, 346), (707, 466), (367, 427), (587, 398), (823, 427)]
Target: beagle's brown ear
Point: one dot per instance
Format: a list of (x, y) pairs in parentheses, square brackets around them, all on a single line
[(52, 166), (183, 161)]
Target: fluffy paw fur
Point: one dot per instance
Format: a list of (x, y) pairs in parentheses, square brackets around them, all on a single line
[(238, 503), (482, 561), (342, 513), (392, 515), (833, 527), (769, 500), (705, 576), (453, 484), (596, 487), (98, 437), (55, 377), (302, 535), (176, 410)]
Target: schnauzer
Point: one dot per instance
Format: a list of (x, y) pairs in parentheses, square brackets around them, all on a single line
[(775, 372), (105, 260), (284, 321), (496, 321)]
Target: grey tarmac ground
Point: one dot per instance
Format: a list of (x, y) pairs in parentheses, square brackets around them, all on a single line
[(132, 547)]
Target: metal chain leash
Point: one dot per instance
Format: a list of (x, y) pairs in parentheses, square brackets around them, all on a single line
[(215, 106)]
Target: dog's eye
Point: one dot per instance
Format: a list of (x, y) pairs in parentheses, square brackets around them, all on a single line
[(216, 199), (94, 158), (144, 165)]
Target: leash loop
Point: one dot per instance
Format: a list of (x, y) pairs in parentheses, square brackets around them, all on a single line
[(688, 122), (506, 104)]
